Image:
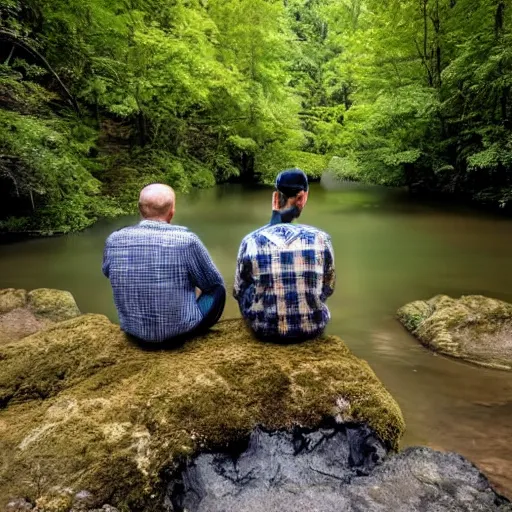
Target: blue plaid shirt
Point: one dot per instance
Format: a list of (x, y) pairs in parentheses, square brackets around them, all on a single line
[(154, 269), (285, 272)]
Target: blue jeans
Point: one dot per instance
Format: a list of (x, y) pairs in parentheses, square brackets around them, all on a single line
[(211, 304)]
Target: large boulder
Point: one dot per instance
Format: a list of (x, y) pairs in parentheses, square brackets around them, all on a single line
[(86, 412), (329, 471), (474, 328), (24, 313)]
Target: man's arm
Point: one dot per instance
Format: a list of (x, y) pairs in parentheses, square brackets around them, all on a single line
[(202, 270), (329, 281), (243, 275)]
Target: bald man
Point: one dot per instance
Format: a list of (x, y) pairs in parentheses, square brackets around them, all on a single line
[(155, 269)]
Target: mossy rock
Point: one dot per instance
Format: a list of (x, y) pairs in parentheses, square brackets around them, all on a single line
[(54, 305), (24, 313), (82, 408), (11, 298), (474, 328)]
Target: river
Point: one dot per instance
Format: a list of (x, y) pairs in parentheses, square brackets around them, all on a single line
[(390, 249)]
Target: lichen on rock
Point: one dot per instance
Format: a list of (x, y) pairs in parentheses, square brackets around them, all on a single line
[(475, 328), (83, 408)]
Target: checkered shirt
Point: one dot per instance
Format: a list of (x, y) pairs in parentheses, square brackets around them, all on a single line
[(154, 269), (285, 273)]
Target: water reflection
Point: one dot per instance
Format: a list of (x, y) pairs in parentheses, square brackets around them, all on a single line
[(389, 250)]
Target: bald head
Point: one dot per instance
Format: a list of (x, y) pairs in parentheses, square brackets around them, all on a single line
[(156, 202)]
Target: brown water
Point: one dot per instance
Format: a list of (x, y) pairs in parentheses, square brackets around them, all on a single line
[(389, 250)]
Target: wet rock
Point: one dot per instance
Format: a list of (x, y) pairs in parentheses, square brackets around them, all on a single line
[(332, 470), (24, 313), (82, 408), (474, 328)]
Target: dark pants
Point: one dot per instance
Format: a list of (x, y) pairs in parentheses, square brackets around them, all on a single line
[(286, 340)]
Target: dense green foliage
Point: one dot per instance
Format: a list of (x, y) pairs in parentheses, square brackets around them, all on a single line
[(99, 97), (426, 89)]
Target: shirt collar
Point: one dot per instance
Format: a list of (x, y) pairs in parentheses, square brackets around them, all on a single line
[(282, 234), (160, 224)]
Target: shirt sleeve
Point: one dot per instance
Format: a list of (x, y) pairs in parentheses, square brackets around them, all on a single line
[(329, 281), (106, 260), (243, 275), (202, 270)]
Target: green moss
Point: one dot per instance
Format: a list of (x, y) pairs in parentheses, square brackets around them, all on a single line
[(54, 305), (413, 314), (12, 299), (475, 328), (83, 408)]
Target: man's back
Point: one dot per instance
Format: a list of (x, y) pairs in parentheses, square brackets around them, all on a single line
[(285, 272), (154, 268)]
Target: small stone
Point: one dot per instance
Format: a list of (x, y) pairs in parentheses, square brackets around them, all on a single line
[(18, 505), (82, 500)]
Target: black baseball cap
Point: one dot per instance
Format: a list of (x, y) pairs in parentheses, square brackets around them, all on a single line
[(292, 181)]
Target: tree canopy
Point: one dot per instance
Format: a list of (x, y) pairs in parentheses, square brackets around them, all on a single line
[(99, 97)]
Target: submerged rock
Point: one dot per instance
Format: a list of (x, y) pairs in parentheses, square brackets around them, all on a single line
[(474, 328), (24, 313), (332, 470), (84, 410)]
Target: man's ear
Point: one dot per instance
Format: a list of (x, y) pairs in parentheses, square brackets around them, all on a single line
[(302, 199)]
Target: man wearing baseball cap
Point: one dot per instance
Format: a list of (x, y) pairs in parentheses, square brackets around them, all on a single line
[(285, 272)]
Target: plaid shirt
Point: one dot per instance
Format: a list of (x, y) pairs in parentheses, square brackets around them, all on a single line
[(285, 273), (154, 269)]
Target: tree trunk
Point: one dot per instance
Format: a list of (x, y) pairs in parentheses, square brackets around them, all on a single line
[(499, 18), (499, 21), (142, 128), (14, 39)]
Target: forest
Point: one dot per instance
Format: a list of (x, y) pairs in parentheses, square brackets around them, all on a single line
[(99, 97)]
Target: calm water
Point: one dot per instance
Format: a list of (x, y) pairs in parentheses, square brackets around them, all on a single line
[(389, 250)]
